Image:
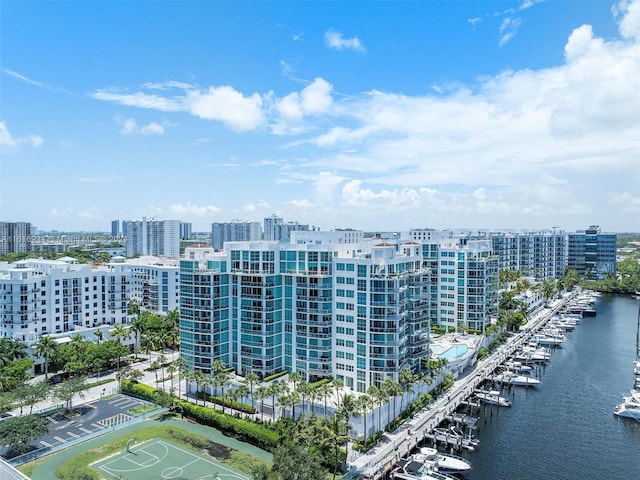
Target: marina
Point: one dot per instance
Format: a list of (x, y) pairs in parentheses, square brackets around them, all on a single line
[(440, 425)]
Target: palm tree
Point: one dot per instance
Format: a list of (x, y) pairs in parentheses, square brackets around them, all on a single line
[(334, 435), (274, 390), (181, 365), (262, 392), (314, 394), (548, 289), (363, 405), (221, 379), (324, 391), (201, 379), (120, 332), (303, 389), (137, 326), (251, 379), (406, 380), (392, 389), (155, 365), (338, 384), (99, 335), (11, 349), (242, 391), (162, 360), (171, 369), (45, 347), (375, 393)]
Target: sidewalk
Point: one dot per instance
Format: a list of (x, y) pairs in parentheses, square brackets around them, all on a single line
[(97, 392)]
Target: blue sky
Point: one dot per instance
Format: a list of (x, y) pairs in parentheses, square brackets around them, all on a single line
[(373, 115)]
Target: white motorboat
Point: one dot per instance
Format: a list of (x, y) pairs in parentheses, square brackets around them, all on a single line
[(492, 397), (630, 407), (442, 462), (407, 469), (509, 377)]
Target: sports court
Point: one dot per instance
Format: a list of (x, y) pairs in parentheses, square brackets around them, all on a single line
[(162, 460)]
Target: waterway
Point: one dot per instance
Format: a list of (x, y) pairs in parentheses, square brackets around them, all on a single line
[(565, 428)]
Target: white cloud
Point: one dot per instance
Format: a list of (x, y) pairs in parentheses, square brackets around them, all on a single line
[(228, 106), (334, 39), (94, 179), (131, 127), (141, 100), (91, 212), (190, 210), (11, 144), (314, 99), (628, 12), (508, 29)]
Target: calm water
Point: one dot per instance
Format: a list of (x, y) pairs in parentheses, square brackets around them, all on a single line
[(565, 428)]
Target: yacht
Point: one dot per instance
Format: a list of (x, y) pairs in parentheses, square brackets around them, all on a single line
[(630, 407), (407, 469), (492, 397), (512, 378), (442, 462)]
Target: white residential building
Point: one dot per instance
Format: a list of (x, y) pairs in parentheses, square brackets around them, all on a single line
[(41, 297), (234, 231), (155, 282), (151, 237)]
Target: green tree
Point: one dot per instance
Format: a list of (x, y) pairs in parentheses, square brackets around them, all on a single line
[(334, 436), (15, 373), (261, 394), (44, 348), (32, 393), (251, 379), (68, 389), (181, 365), (120, 332), (406, 380), (18, 432), (295, 462)]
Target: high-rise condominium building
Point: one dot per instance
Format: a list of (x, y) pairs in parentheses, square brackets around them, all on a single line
[(236, 230), (592, 253), (155, 282), (152, 237), (15, 237), (354, 312), (186, 232), (276, 229), (115, 228)]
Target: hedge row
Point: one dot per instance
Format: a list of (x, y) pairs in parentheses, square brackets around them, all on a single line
[(274, 376), (241, 407), (244, 430)]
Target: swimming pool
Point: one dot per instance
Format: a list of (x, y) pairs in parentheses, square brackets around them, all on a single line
[(454, 352)]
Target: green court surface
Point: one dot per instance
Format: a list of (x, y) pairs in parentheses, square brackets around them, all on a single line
[(162, 460)]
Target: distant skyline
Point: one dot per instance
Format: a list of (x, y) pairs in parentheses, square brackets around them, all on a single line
[(372, 115)]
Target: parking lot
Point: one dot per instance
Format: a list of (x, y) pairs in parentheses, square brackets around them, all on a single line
[(87, 418)]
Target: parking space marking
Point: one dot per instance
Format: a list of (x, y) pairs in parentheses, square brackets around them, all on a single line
[(61, 440), (74, 435)]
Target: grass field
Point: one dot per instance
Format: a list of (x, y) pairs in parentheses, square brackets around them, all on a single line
[(162, 460)]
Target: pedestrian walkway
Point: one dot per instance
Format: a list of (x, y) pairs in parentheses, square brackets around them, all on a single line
[(99, 391)]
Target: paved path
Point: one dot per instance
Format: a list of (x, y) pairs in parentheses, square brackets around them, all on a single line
[(95, 393)]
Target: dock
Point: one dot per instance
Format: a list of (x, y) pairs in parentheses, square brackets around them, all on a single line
[(375, 464)]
